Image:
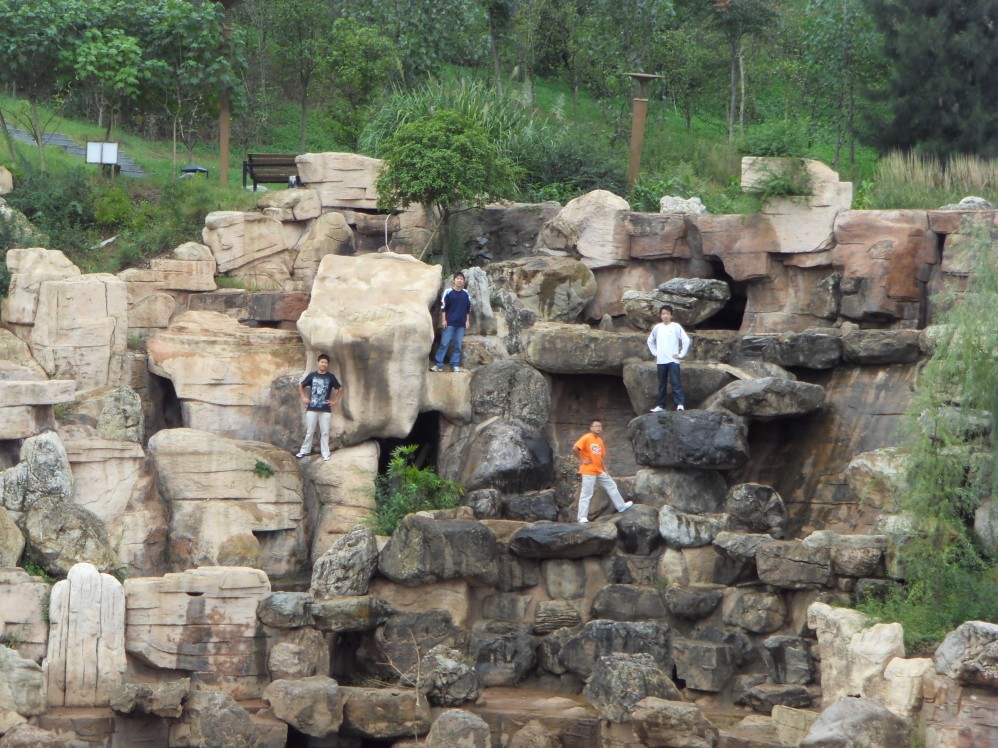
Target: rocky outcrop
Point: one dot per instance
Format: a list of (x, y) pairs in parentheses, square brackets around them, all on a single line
[(619, 681), (586, 227), (371, 314), (424, 551), (556, 289), (690, 439)]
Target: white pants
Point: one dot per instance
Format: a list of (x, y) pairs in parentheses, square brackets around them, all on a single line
[(311, 418), (607, 484)]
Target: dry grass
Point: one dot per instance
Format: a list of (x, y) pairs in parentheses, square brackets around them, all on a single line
[(910, 180)]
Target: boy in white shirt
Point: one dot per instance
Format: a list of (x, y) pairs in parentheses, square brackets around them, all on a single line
[(668, 343)]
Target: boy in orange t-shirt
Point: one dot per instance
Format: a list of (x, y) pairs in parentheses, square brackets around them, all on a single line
[(591, 452)]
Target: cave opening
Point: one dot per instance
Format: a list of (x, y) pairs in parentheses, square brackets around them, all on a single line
[(425, 435), (730, 317)]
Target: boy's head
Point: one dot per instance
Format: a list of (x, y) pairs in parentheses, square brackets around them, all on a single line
[(458, 281), (323, 362), (665, 313), (596, 426)]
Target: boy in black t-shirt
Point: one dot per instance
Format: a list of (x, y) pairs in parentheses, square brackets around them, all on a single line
[(319, 400)]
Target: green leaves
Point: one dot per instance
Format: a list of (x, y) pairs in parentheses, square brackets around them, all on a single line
[(405, 488), (443, 160)]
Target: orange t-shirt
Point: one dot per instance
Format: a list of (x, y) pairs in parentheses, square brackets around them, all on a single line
[(592, 447)]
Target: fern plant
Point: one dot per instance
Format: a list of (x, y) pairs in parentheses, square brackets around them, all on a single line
[(406, 488)]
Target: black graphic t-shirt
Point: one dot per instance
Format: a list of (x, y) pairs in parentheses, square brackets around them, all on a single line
[(322, 385)]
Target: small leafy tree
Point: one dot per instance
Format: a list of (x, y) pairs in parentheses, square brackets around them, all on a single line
[(440, 162), (109, 64), (406, 488), (950, 577)]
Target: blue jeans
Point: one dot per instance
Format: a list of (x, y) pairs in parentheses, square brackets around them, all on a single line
[(669, 374), (453, 335)]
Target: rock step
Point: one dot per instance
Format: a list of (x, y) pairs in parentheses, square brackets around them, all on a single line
[(568, 716), (128, 166)]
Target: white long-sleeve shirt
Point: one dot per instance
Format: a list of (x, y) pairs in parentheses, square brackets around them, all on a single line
[(667, 340)]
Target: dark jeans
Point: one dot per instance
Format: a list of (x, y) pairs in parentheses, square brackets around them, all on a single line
[(669, 374)]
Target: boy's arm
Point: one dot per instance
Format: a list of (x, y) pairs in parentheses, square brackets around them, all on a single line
[(581, 455), (684, 343), (301, 393), (336, 398), (652, 342)]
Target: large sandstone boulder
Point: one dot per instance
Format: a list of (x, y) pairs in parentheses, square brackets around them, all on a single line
[(340, 492), (28, 736), (769, 398), (28, 269), (689, 439), (857, 723), (313, 706), (704, 666), (24, 600), (819, 348), (885, 257), (557, 540), (114, 412), (683, 530), (424, 551), (587, 226), (161, 699), (598, 638), (446, 676), (878, 478), (231, 502), (384, 713), (510, 389), (11, 540), (236, 238), (693, 300), (456, 728), (700, 381), (91, 308), (22, 689), (672, 724), (619, 681), (969, 654), (341, 180), (789, 564), (578, 349), (688, 490), (556, 289), (173, 623), (371, 314), (290, 205), (86, 650), (328, 235), (221, 370), (213, 718), (60, 534), (347, 567), (755, 507), (42, 472), (506, 454), (835, 629)]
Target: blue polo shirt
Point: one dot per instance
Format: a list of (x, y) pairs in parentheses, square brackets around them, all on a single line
[(455, 305)]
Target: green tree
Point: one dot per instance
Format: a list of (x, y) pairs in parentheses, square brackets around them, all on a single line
[(406, 488), (36, 35), (189, 63), (686, 54), (300, 37), (356, 68), (941, 92), (109, 64), (440, 162)]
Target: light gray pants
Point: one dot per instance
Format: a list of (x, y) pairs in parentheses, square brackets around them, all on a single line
[(607, 484), (312, 417)]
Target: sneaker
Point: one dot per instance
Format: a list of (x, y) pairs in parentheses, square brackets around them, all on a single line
[(583, 521), (657, 409), (436, 367), (627, 505), (455, 369), (302, 454), (680, 407), (325, 459)]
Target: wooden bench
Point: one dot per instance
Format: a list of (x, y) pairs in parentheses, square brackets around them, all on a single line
[(269, 168)]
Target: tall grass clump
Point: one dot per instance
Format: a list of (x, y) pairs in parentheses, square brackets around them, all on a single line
[(912, 180), (949, 574)]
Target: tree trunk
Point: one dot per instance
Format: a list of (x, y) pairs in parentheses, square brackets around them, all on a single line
[(175, 117), (741, 80), (36, 125), (304, 116), (733, 90), (494, 43), (7, 136)]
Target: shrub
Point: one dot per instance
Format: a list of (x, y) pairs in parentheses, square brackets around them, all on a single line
[(953, 465), (263, 469), (775, 138), (61, 206), (406, 488)]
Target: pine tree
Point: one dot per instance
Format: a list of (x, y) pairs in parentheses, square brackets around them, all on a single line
[(942, 93)]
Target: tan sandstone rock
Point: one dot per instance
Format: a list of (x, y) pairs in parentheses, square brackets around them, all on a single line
[(224, 508), (29, 268), (91, 308), (341, 180), (329, 234), (371, 314), (587, 225), (24, 600), (222, 370), (291, 205), (340, 492), (236, 238), (202, 621), (86, 647)]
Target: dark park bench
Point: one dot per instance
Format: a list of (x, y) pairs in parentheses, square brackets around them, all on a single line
[(269, 168)]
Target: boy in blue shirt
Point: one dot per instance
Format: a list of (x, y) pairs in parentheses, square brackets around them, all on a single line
[(455, 313)]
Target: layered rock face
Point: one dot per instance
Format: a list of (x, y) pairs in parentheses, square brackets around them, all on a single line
[(258, 601)]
